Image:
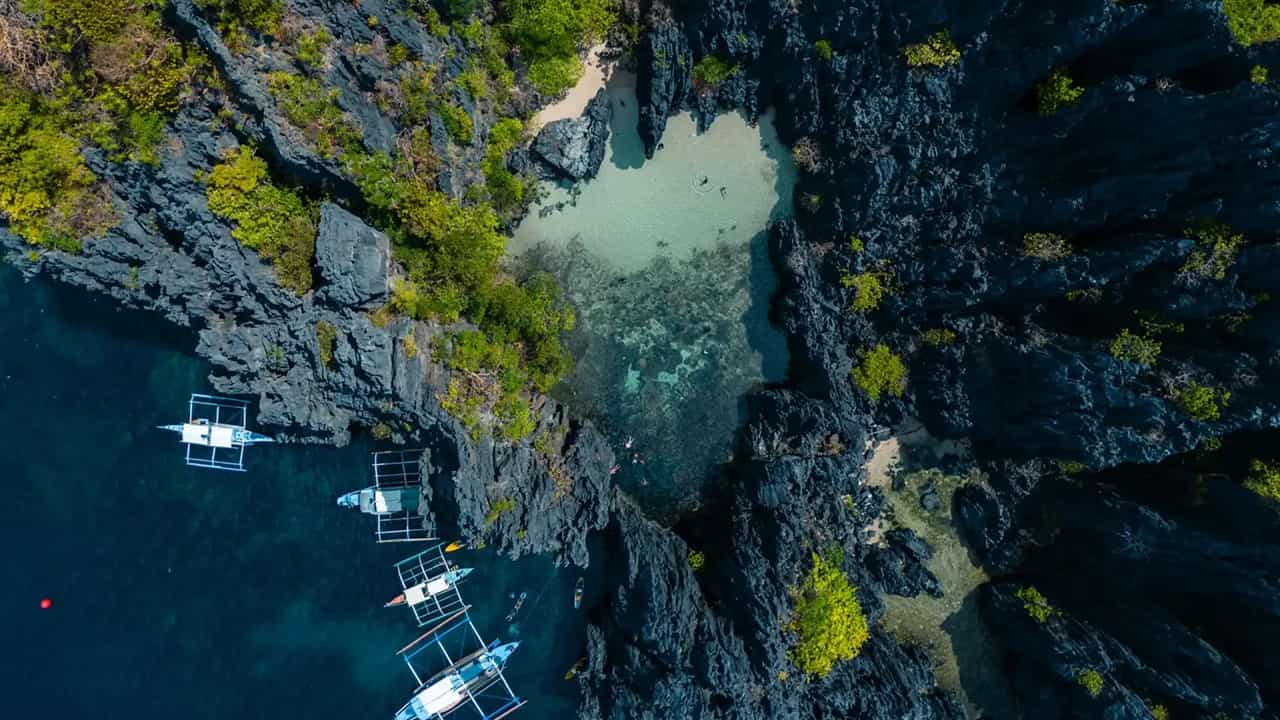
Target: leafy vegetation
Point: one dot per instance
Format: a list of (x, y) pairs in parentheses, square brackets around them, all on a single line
[(272, 220), (506, 189), (1252, 21), (697, 560), (548, 34), (1091, 680), (1264, 479), (326, 341), (710, 71), (76, 73), (880, 372), (869, 290), (1049, 247), (1201, 401), (313, 108), (1141, 349), (1258, 75), (856, 244), (937, 51), (503, 505), (237, 18), (1036, 604), (822, 48), (1158, 712), (1056, 92), (826, 617), (311, 47), (48, 194), (457, 122), (1217, 248), (937, 337)]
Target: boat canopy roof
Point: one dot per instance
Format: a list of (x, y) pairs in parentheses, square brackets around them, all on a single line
[(218, 436)]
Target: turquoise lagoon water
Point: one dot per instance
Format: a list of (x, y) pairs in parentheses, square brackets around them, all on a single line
[(666, 262), (197, 594)]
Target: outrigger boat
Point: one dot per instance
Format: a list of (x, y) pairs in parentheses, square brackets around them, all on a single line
[(453, 686), (430, 585), (215, 433), (395, 498), (473, 679)]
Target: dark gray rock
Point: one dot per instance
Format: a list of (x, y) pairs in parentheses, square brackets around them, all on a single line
[(574, 148), (353, 259)]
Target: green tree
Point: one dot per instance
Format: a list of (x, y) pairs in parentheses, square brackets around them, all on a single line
[(549, 33), (881, 371), (1139, 349), (937, 51), (1264, 479), (710, 71), (826, 617), (1091, 680), (272, 220), (822, 48), (1201, 401), (1056, 92), (1036, 604), (1252, 21)]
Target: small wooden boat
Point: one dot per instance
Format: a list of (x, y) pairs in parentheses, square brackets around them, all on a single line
[(577, 593)]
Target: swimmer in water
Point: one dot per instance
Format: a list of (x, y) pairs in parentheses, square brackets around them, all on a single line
[(723, 192)]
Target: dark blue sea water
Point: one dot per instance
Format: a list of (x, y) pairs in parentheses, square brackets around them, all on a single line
[(199, 594)]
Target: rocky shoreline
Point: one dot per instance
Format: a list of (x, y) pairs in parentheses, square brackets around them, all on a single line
[(938, 173)]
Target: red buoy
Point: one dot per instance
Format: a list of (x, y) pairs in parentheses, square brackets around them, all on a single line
[(46, 603)]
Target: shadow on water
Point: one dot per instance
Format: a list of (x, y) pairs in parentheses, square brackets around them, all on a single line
[(626, 150), (981, 677), (198, 594)]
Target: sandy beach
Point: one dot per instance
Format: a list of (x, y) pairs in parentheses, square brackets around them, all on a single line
[(594, 77)]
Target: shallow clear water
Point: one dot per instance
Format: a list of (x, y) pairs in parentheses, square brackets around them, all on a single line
[(200, 594), (672, 283)]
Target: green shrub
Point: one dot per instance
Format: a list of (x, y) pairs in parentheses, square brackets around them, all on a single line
[(710, 71), (313, 108), (1201, 401), (236, 17), (1217, 248), (274, 221), (881, 371), (1056, 92), (856, 244), (1158, 712), (326, 341), (548, 34), (937, 51), (506, 190), (47, 193), (1264, 479), (503, 505), (1048, 247), (822, 48), (1036, 604), (937, 337), (311, 47), (461, 9), (826, 617), (697, 560), (1135, 348), (869, 290), (1252, 21), (1258, 75), (1091, 680), (457, 122)]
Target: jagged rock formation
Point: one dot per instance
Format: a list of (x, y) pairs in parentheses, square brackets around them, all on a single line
[(573, 148)]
